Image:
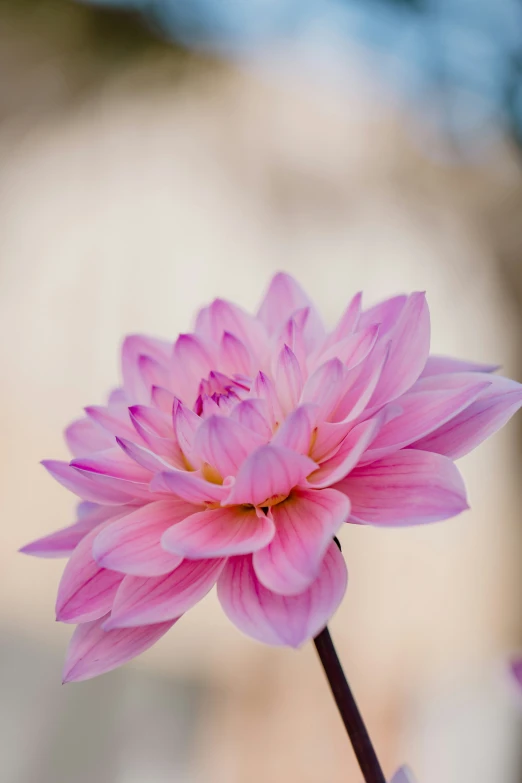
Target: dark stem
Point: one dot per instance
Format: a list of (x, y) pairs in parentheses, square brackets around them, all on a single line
[(354, 724)]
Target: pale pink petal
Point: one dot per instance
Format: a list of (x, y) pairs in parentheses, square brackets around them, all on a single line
[(149, 428), (422, 412), (189, 486), (440, 365), (222, 316), (305, 525), (152, 420), (157, 599), (234, 356), (348, 322), (162, 399), (325, 387), (93, 651), (86, 591), (115, 421), (360, 384), (385, 313), (288, 379), (351, 350), (293, 336), (219, 532), (283, 298), (186, 424), (406, 488), (145, 457), (264, 389), (132, 545), (85, 436), (409, 348), (516, 669), (277, 619), (83, 486), (269, 472), (478, 421), (133, 347), (295, 432), (114, 469), (61, 543), (348, 455), (191, 361), (254, 414), (225, 444), (328, 438), (153, 373)]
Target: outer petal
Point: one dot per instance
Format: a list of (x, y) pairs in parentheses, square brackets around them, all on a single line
[(403, 489), (114, 469), (423, 412), (222, 316), (478, 421), (325, 387), (305, 524), (254, 414), (347, 323), (276, 619), (142, 601), (134, 346), (270, 472), (188, 486), (85, 436), (288, 379), (86, 590), (385, 313), (234, 356), (132, 545), (283, 298), (155, 428), (403, 775), (83, 485), (115, 421), (361, 382), (93, 651), (225, 444), (144, 457), (348, 455), (440, 365), (219, 532), (191, 362), (409, 348), (351, 350)]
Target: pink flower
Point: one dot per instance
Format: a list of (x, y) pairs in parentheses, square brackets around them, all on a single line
[(234, 457)]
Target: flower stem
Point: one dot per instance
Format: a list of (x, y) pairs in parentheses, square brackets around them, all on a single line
[(348, 709)]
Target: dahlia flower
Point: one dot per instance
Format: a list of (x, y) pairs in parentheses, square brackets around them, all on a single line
[(234, 456)]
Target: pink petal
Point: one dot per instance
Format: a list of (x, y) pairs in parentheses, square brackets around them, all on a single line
[(234, 356), (283, 298), (295, 433), (189, 486), (406, 488), (403, 775), (115, 421), (134, 346), (84, 436), (93, 651), (440, 365), (348, 322), (292, 335), (153, 373), (145, 457), (305, 524), (162, 399), (191, 362), (350, 351), (269, 472), (132, 545), (409, 348), (264, 389), (254, 415), (423, 412), (114, 469), (325, 387), (478, 421), (157, 599), (386, 313), (348, 455), (288, 379), (83, 485), (219, 532), (222, 316), (276, 619), (186, 424), (225, 444), (516, 669), (86, 590), (61, 543), (151, 420), (361, 382), (328, 439)]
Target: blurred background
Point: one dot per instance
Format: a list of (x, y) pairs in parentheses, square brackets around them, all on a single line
[(155, 154)]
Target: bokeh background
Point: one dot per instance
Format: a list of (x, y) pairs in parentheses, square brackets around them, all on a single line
[(156, 154)]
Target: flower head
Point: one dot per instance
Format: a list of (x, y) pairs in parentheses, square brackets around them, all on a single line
[(234, 456)]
